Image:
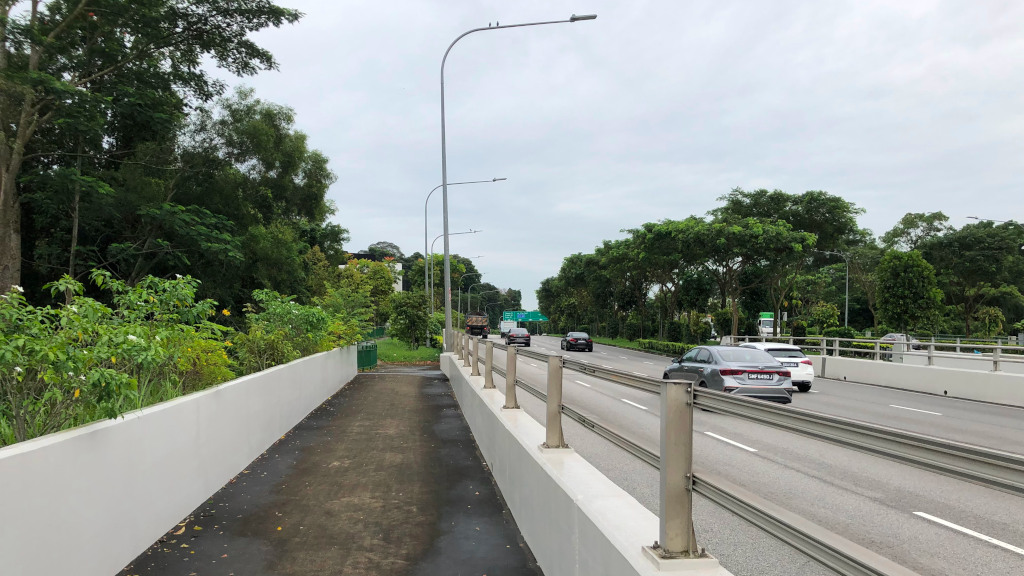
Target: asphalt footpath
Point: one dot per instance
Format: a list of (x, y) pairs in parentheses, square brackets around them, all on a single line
[(383, 478)]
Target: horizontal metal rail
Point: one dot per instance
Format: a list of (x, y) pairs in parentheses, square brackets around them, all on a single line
[(993, 468), (827, 548), (822, 545), (607, 433)]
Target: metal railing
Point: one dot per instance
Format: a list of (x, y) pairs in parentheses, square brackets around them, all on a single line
[(993, 468), (887, 350)]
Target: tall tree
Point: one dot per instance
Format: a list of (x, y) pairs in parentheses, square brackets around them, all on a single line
[(55, 57), (908, 296), (914, 229)]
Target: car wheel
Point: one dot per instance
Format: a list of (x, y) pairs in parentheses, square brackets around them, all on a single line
[(803, 387), (527, 345), (590, 348), (563, 345)]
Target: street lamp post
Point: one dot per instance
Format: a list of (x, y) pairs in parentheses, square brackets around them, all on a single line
[(426, 279), (478, 295), (999, 221), (459, 308), (444, 162), (846, 258), (447, 282)]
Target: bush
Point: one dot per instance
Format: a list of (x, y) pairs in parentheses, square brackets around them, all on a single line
[(674, 348), (723, 321), (840, 332), (797, 329), (675, 331)]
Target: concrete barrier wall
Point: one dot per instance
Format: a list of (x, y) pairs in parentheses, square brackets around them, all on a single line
[(575, 520), (88, 501), (997, 387)]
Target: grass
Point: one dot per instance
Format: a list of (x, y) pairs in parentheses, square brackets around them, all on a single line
[(391, 351)]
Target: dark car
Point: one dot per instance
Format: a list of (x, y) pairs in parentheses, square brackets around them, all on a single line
[(736, 370), (577, 341), (518, 336)]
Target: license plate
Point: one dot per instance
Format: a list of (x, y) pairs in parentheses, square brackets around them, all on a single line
[(760, 375), (790, 364)]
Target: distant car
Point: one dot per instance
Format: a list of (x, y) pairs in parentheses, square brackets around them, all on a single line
[(518, 336), (800, 366), (895, 337), (577, 341), (735, 370)]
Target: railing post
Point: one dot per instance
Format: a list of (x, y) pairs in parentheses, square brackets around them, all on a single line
[(824, 346), (476, 357), (878, 349), (931, 354), (835, 349), (510, 379), (676, 536), (790, 340), (995, 358), (553, 422), (488, 372), (465, 350), (957, 344)]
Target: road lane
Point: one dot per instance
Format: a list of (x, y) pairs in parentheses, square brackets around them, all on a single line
[(866, 499)]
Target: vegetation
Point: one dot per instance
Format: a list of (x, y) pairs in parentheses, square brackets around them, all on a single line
[(786, 253), (391, 351)]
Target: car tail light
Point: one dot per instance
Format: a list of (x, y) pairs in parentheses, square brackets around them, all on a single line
[(730, 372), (572, 339), (783, 373), (589, 340), (807, 361)]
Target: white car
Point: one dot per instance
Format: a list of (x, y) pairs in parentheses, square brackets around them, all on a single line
[(792, 357)]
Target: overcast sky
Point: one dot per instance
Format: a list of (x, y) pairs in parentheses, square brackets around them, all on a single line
[(652, 111)]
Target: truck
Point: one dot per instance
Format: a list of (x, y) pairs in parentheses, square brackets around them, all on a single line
[(505, 325), (476, 324), (766, 323)]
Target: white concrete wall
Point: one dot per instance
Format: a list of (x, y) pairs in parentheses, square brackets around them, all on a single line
[(998, 387), (576, 521), (88, 501)]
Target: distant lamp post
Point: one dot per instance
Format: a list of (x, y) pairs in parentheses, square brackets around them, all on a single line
[(459, 308), (447, 283), (846, 258), (444, 162), (426, 279), (999, 221)]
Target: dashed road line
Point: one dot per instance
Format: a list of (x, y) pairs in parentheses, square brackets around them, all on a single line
[(724, 439), (633, 404), (970, 532), (914, 409), (645, 362), (582, 383)]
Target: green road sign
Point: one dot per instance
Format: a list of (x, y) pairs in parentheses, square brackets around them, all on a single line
[(523, 316)]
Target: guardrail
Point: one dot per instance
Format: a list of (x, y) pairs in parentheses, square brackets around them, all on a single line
[(1000, 470), (887, 350)]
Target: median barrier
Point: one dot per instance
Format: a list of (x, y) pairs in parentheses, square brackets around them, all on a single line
[(984, 386), (88, 501), (575, 520)]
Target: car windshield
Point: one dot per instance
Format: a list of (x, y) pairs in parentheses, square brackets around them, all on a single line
[(745, 355), (785, 353), (579, 335), (518, 331)]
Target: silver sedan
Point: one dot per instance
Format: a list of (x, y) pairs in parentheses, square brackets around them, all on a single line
[(741, 371)]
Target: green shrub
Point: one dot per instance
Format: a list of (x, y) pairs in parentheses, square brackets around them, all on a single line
[(798, 329), (840, 332), (262, 347), (674, 348)]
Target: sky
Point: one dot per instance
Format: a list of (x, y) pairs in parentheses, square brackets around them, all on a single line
[(650, 112)]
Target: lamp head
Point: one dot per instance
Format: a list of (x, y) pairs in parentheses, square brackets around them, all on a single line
[(575, 18)]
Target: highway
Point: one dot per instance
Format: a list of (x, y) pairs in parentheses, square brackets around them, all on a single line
[(927, 522)]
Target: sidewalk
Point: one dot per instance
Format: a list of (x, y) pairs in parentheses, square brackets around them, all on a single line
[(383, 478)]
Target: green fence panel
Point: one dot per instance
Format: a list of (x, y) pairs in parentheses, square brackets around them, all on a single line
[(377, 333), (366, 355)]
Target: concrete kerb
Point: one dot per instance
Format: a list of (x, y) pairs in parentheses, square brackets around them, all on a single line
[(981, 386), (575, 520)]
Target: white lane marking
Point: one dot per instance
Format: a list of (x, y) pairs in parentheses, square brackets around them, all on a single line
[(914, 409), (723, 439), (605, 353), (582, 383), (648, 362), (639, 373), (623, 357), (633, 404), (814, 391), (603, 366), (532, 364), (970, 532)]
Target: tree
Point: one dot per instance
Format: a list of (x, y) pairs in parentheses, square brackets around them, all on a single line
[(863, 262), (908, 295), (385, 249), (914, 229), (57, 56), (409, 317)]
